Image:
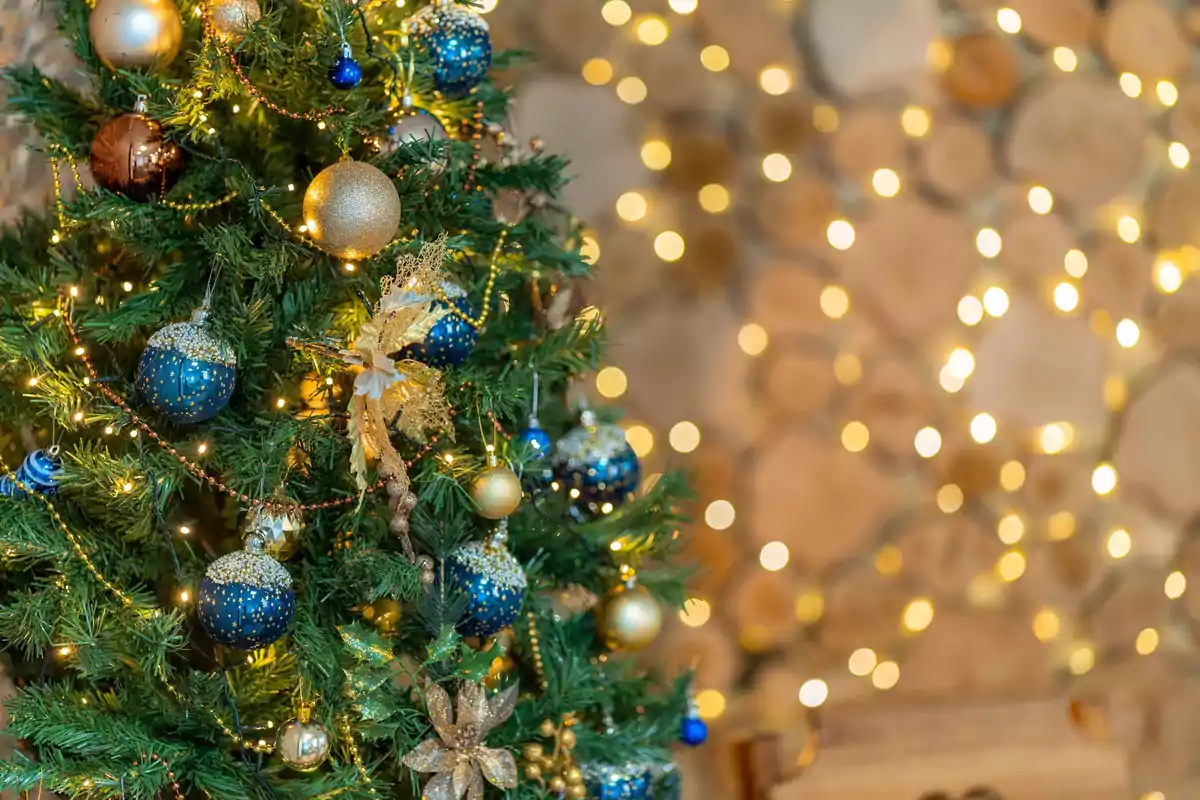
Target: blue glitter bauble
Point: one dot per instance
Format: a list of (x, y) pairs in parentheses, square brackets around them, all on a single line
[(186, 372), (39, 471), (345, 72), (457, 41), (596, 467), (618, 782), (494, 584), (693, 731), (246, 600), (451, 340)]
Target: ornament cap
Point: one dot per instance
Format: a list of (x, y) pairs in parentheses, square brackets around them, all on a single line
[(406, 100), (139, 105), (587, 418), (304, 713), (255, 543), (346, 52)]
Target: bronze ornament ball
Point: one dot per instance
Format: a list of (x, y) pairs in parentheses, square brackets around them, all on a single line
[(130, 34), (351, 210), (629, 618), (131, 157), (496, 491), (230, 19)]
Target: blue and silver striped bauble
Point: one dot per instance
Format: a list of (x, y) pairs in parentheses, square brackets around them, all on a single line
[(39, 471), (596, 467), (619, 781), (451, 340), (246, 599), (494, 583), (186, 372), (457, 41)]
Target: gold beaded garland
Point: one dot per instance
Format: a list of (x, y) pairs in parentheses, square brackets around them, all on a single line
[(351, 210)]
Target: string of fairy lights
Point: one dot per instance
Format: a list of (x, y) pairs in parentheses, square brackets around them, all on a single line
[(991, 301)]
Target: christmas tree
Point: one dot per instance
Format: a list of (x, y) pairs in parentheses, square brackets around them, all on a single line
[(301, 506)]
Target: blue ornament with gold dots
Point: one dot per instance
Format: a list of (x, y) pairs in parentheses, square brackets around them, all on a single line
[(631, 781), (452, 338), (492, 580), (39, 471), (246, 599), (596, 467), (186, 372), (346, 73), (457, 41)]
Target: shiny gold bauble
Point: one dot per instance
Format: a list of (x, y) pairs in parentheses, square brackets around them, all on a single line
[(547, 729), (532, 772), (384, 613), (280, 529), (351, 210), (568, 738), (577, 792), (629, 618), (128, 34), (496, 492), (573, 776), (131, 157), (533, 752), (557, 784), (303, 744), (231, 19)]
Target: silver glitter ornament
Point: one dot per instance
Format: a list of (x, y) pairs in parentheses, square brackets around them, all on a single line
[(303, 744)]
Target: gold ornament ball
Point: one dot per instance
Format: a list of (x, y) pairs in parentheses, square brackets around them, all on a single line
[(577, 792), (533, 752), (303, 744), (231, 19), (351, 210), (629, 619), (384, 613), (573, 775), (568, 739), (533, 772), (557, 784), (496, 492), (546, 729), (129, 34)]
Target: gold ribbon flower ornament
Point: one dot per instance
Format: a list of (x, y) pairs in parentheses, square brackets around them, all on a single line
[(404, 395), (458, 755)]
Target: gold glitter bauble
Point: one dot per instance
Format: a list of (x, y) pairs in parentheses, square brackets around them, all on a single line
[(496, 492), (232, 18), (352, 210), (629, 619), (128, 34)]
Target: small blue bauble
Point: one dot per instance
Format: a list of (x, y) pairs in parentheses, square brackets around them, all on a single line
[(186, 372), (451, 340), (618, 782), (494, 584), (596, 467), (458, 42), (246, 599), (345, 72), (693, 731), (39, 471), (534, 440)]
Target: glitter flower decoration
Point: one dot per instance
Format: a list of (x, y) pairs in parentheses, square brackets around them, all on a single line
[(458, 755)]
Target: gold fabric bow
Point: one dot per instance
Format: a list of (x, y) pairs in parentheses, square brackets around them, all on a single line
[(458, 755)]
